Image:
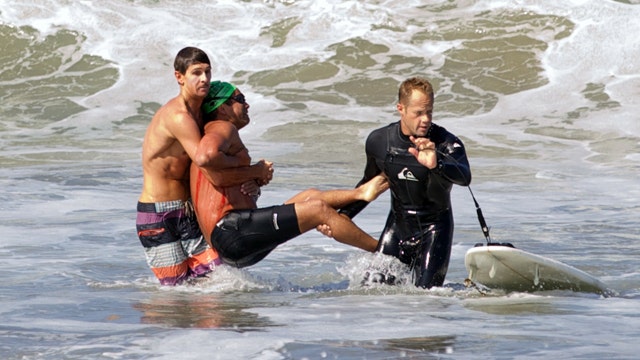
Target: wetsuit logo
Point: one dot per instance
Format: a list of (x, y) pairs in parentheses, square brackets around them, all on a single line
[(406, 174)]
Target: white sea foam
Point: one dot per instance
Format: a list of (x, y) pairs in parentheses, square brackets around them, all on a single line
[(77, 284)]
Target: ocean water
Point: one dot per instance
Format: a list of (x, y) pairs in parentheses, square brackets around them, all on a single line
[(543, 94)]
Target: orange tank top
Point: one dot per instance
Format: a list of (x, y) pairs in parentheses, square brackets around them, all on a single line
[(209, 201)]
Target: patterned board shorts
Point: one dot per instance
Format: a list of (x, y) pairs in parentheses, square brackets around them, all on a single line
[(173, 243)]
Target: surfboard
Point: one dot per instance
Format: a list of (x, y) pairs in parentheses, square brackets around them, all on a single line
[(511, 269)]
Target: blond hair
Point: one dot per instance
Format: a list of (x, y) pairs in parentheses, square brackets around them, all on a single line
[(415, 83)]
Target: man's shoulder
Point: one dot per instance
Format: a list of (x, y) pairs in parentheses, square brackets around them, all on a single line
[(440, 135), (379, 138), (441, 132), (173, 111), (382, 131), (215, 126), (172, 119)]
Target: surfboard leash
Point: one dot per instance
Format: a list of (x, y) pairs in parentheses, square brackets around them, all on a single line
[(483, 223), (468, 283)]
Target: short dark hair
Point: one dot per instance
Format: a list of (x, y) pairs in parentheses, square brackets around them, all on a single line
[(189, 56), (414, 83)]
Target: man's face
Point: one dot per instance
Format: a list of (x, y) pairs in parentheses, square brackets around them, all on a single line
[(196, 80), (239, 110), (416, 114)]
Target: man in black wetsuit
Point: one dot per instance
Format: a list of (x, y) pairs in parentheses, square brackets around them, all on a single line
[(422, 161)]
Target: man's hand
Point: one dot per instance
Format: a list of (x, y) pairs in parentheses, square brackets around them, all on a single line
[(325, 230), (424, 152), (250, 188), (265, 169)]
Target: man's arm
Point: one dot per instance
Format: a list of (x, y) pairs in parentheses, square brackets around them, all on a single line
[(185, 129), (260, 172), (453, 163), (222, 157), (449, 159), (370, 171)]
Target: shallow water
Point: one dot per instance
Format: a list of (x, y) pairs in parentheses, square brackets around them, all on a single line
[(543, 95)]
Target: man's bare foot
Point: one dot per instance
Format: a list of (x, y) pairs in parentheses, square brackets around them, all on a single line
[(374, 187)]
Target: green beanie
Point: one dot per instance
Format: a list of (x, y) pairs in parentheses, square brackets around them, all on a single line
[(219, 92)]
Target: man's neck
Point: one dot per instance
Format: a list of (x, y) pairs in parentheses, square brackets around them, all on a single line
[(193, 106)]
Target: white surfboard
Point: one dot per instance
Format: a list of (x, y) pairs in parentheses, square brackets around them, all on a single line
[(511, 269)]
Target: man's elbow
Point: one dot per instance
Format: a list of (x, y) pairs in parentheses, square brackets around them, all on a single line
[(201, 160), (467, 181), (460, 177), (207, 158)]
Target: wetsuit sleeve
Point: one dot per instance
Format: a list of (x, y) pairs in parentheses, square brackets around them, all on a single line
[(453, 164), (370, 171)]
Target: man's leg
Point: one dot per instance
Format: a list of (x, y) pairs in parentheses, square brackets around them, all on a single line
[(244, 237), (316, 212), (339, 198), (162, 248), (314, 208)]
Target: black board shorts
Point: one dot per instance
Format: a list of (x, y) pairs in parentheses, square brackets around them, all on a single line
[(244, 237)]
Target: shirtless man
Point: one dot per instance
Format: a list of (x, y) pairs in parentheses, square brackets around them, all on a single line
[(166, 225), (242, 233)]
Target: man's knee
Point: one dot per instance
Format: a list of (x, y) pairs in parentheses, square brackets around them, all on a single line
[(315, 209), (310, 194)]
